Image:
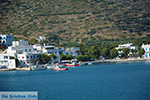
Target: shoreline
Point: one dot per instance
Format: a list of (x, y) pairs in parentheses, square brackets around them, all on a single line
[(115, 61)]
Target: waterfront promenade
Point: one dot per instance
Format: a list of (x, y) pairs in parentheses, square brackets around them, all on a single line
[(115, 61)]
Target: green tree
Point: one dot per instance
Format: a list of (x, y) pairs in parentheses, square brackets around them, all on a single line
[(132, 50), (83, 58), (137, 42), (141, 52), (81, 49), (105, 52), (94, 52), (113, 53), (126, 52), (63, 57), (66, 57), (53, 57), (44, 58), (33, 41)]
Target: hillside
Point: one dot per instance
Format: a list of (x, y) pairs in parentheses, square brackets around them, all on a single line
[(75, 20)]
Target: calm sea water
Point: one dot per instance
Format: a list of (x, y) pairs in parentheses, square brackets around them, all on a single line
[(122, 81)]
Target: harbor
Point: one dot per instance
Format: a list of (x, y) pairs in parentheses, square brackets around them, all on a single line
[(113, 81)]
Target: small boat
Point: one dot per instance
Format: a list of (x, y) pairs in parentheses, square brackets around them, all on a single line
[(38, 67), (59, 67), (50, 66), (73, 64)]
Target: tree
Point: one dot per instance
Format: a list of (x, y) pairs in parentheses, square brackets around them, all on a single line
[(53, 56), (81, 49), (113, 53), (44, 58), (66, 57), (83, 58), (141, 52), (105, 52), (63, 57), (94, 52), (132, 50), (126, 52), (137, 42)]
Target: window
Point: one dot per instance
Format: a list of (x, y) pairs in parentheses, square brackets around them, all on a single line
[(29, 50), (31, 56), (146, 49), (5, 57), (25, 50), (24, 62), (27, 56)]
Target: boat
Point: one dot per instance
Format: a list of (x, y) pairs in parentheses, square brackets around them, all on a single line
[(59, 67), (73, 64), (38, 67), (50, 66)]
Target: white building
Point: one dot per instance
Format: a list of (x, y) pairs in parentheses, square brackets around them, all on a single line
[(20, 43), (128, 45), (37, 47), (41, 38), (6, 60), (23, 51), (51, 50), (74, 51), (27, 58), (147, 50), (6, 40)]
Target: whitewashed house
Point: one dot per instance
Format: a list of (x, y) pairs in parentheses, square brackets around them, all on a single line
[(51, 50), (128, 45), (23, 51), (8, 61), (74, 51), (6, 40), (27, 58), (147, 50)]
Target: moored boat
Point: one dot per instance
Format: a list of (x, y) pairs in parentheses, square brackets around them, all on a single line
[(59, 67), (73, 64), (38, 67)]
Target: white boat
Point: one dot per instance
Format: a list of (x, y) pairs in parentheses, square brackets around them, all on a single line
[(50, 66), (38, 67)]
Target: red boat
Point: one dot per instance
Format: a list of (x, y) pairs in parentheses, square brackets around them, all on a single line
[(73, 64), (60, 69)]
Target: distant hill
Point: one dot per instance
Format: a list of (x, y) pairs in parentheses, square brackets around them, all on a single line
[(75, 20)]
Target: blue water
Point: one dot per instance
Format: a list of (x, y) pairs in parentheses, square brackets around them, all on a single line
[(122, 81)]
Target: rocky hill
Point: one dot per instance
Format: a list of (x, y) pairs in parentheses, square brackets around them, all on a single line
[(75, 20)]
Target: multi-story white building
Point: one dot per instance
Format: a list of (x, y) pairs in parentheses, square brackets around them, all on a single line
[(6, 40), (23, 51), (27, 58), (147, 50), (128, 45), (51, 50), (8, 61)]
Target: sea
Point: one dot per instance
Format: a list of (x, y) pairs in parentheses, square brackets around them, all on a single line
[(117, 81)]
